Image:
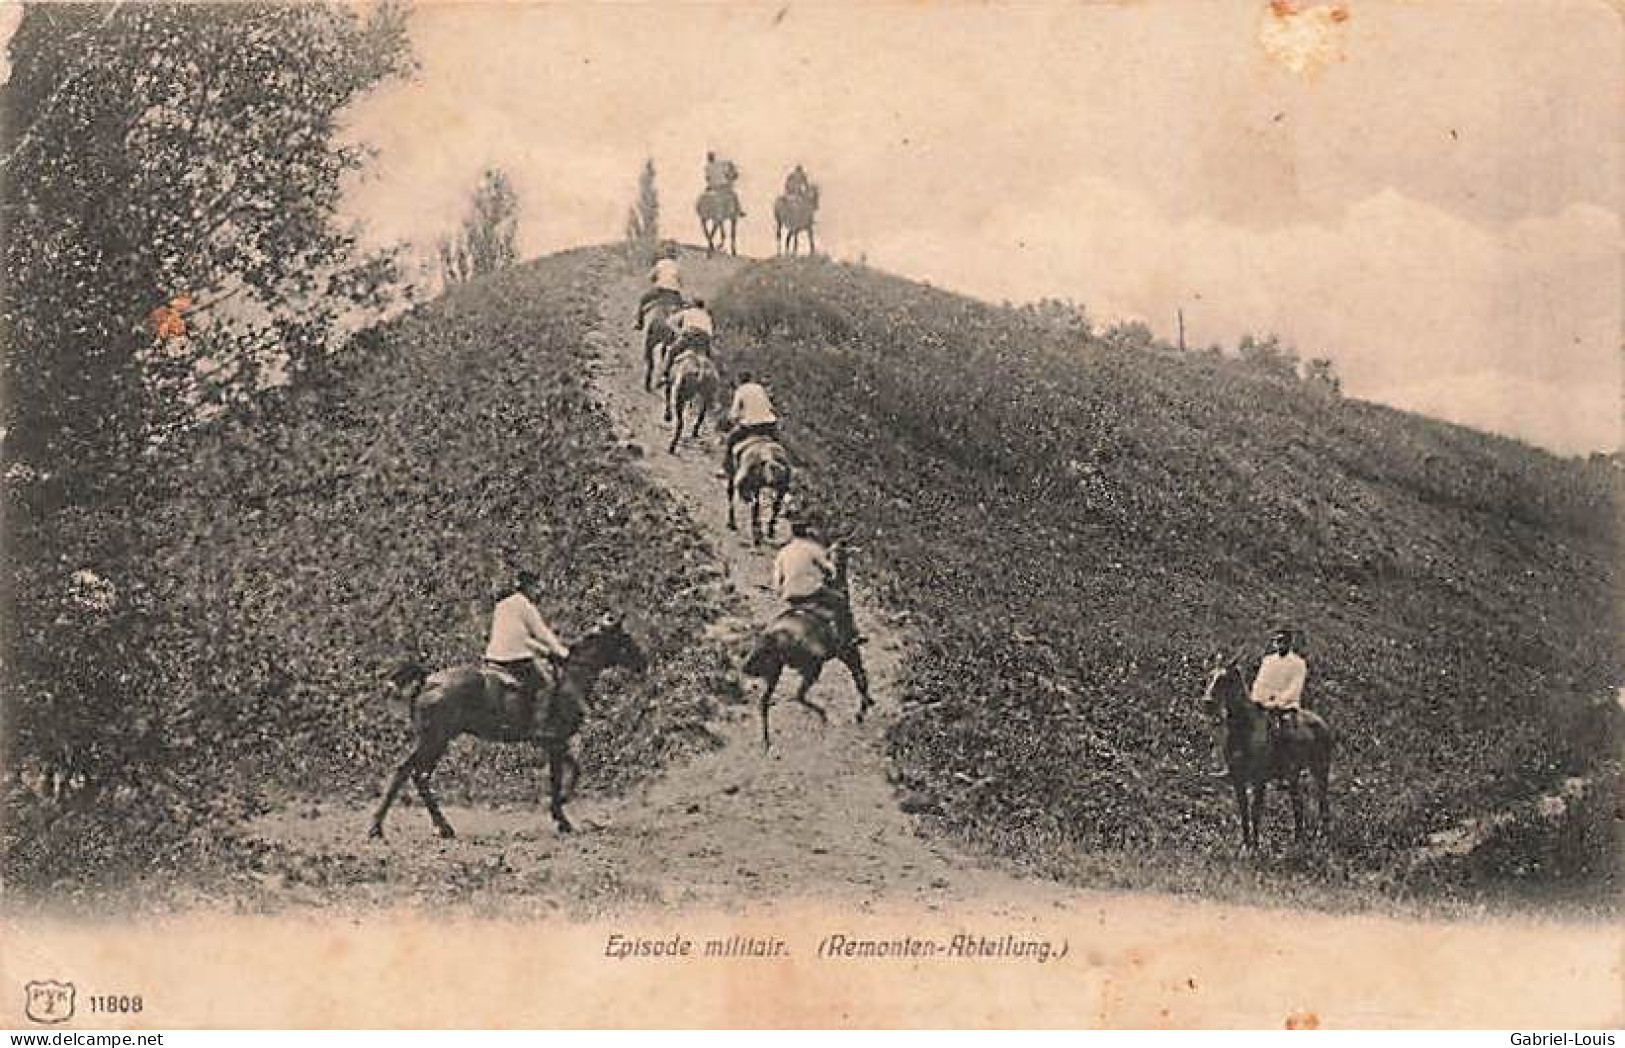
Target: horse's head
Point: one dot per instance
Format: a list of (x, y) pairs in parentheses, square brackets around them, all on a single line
[(1224, 681), (608, 644)]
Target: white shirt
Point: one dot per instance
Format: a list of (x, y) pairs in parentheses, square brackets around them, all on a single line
[(752, 406), (665, 275), (692, 319), (801, 569), (518, 632), (1280, 680)]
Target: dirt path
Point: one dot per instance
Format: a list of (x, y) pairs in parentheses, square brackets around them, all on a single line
[(814, 818)]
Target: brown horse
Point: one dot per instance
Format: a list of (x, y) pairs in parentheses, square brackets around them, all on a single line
[(694, 379), (719, 220), (474, 700), (1257, 756), (760, 464), (792, 216), (803, 639), (658, 336)]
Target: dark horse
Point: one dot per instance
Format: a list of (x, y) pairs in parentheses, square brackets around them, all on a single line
[(792, 216), (658, 335), (474, 700), (719, 220), (760, 464), (803, 639), (694, 381), (1256, 756)]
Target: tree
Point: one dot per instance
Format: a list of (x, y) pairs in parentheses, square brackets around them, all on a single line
[(169, 182), (1129, 335), (643, 217), (1267, 355), (1321, 375), (485, 243)]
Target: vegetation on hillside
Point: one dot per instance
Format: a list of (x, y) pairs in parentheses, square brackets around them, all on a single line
[(293, 554), (1074, 531)]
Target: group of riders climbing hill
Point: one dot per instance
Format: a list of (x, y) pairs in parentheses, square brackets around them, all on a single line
[(1252, 728)]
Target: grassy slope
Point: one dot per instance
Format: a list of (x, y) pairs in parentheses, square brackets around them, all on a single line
[(374, 517), (1076, 529)]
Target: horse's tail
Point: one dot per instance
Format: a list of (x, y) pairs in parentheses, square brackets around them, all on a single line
[(776, 474)]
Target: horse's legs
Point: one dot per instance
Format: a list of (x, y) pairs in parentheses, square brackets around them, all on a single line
[(773, 518), (812, 241), (395, 783), (699, 420), (1295, 791), (808, 679), (1322, 772), (767, 700), (558, 758), (420, 779), (732, 525), (1242, 803), (1260, 795), (756, 517), (733, 236), (853, 660)]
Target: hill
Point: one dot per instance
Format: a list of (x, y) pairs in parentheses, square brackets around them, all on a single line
[(266, 577), (1075, 529)]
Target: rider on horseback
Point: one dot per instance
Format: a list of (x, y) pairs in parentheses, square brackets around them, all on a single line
[(1278, 687), (692, 328), (720, 176), (519, 641), (797, 184), (807, 578), (667, 281), (750, 415)]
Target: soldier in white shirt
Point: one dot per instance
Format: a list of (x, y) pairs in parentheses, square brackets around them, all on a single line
[(666, 280), (520, 639), (693, 328), (805, 576), (1278, 688), (750, 415)]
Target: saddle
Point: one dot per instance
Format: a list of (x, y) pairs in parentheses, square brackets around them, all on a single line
[(755, 440)]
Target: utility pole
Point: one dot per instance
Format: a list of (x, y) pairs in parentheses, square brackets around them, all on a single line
[(1181, 314)]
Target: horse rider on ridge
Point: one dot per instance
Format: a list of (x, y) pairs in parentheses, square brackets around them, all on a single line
[(1278, 687), (520, 641), (806, 578), (797, 184), (720, 176), (667, 281)]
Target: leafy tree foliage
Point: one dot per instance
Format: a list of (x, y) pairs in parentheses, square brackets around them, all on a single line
[(485, 243), (169, 178), (643, 217)]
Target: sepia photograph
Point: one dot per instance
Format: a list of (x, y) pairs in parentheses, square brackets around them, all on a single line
[(744, 515)]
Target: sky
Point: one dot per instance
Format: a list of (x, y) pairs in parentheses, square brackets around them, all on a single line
[(1428, 193)]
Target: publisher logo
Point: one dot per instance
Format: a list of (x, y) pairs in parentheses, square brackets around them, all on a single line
[(49, 1001)]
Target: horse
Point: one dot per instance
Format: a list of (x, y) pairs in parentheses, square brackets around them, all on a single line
[(694, 378), (719, 220), (803, 640), (1256, 756), (475, 700), (760, 463), (658, 336), (793, 215)]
